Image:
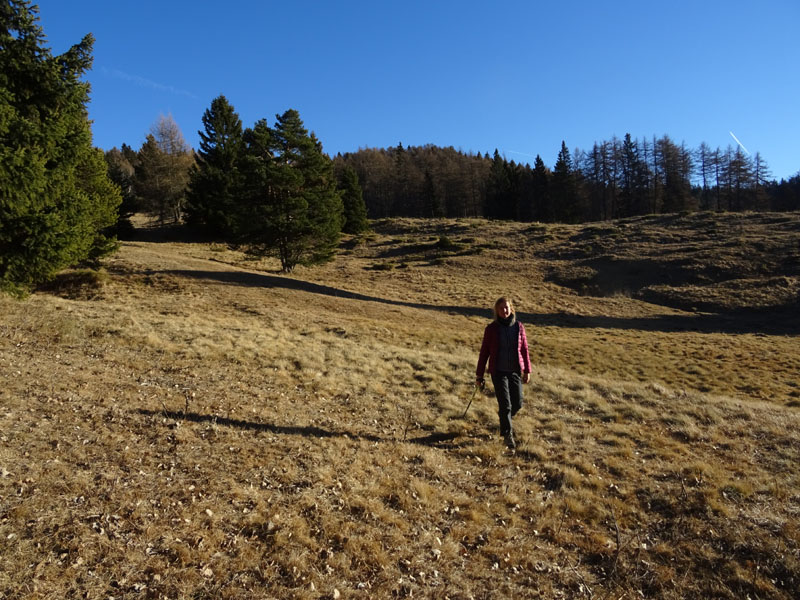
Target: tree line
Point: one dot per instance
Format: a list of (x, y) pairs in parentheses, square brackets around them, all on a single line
[(614, 179)]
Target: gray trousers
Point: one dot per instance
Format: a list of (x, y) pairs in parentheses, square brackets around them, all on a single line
[(508, 389)]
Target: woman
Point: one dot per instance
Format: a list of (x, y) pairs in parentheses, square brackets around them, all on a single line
[(506, 348)]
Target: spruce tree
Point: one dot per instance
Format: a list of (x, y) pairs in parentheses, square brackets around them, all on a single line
[(564, 189), (498, 189), (354, 209), (148, 176), (292, 205), (215, 180), (540, 182), (56, 201)]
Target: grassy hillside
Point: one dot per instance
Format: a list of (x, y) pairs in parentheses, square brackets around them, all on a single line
[(191, 423)]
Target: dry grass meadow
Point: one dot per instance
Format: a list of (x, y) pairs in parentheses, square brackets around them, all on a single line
[(190, 423)]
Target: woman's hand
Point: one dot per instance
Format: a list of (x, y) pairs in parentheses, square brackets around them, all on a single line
[(526, 377)]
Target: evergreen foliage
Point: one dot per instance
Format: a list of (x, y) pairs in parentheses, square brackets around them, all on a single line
[(542, 208), (56, 201), (215, 180), (786, 194), (564, 189), (291, 205), (499, 199), (354, 209)]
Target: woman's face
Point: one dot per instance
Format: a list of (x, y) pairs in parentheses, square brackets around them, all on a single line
[(504, 310)]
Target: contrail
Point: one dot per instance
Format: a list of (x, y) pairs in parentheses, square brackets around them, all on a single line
[(740, 143), (521, 153), (147, 83)]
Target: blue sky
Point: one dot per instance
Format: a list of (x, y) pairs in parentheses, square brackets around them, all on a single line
[(519, 76)]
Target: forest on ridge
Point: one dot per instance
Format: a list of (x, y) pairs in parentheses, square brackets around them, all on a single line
[(614, 179)]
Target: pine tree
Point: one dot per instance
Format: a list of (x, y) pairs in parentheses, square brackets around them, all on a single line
[(56, 202), (293, 207), (498, 190), (148, 177), (355, 211), (540, 182), (564, 189), (215, 180)]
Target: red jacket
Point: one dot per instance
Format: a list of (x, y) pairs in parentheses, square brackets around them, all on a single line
[(489, 348)]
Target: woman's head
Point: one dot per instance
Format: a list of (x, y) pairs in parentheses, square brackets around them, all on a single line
[(503, 308)]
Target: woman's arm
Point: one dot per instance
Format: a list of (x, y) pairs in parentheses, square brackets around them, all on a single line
[(526, 357), (483, 355)]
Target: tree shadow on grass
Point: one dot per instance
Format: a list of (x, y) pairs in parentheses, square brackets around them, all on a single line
[(304, 431), (435, 440), (767, 322), (262, 280)]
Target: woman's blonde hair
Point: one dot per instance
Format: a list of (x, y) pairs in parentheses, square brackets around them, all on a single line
[(500, 301)]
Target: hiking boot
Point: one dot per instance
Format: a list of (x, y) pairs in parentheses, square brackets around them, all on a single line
[(510, 442)]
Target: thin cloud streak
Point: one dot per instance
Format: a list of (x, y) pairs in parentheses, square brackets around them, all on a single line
[(147, 83)]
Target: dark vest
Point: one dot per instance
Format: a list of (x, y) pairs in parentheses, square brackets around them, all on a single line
[(508, 347)]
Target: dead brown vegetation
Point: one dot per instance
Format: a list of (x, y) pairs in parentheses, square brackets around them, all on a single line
[(195, 425)]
